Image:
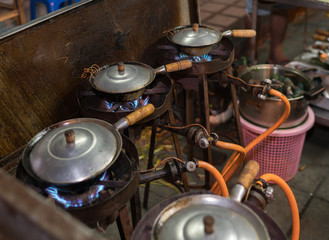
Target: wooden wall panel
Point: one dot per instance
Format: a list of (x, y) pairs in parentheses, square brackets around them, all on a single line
[(41, 62)]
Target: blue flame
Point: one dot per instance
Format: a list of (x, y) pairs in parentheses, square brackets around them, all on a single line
[(126, 106), (146, 100), (109, 105), (203, 58), (132, 104), (76, 202)]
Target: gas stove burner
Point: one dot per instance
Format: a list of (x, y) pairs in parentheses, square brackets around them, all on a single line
[(158, 93), (214, 61), (111, 106), (193, 59), (97, 199), (82, 194), (78, 200)]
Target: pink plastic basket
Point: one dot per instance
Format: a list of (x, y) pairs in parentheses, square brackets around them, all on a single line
[(280, 152)]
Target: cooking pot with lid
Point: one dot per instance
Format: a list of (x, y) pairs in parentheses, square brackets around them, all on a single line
[(126, 81), (208, 216), (198, 40), (266, 112), (76, 150)]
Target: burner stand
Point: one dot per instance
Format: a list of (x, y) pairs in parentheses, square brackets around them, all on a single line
[(201, 73), (112, 204), (163, 111)]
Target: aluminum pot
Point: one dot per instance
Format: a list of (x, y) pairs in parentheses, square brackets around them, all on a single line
[(266, 112), (76, 150), (126, 81), (199, 40), (208, 216)]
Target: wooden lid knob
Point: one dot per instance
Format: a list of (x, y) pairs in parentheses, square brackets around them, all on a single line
[(195, 27), (121, 68), (70, 136), (208, 222)]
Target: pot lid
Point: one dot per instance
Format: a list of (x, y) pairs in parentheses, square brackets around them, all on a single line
[(207, 216), (195, 36), (74, 150), (123, 77)]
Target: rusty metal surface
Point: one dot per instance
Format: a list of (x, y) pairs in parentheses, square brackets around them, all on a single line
[(26, 215), (41, 62)]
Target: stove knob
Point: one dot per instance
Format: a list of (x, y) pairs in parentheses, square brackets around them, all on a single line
[(269, 192), (190, 166), (203, 143)]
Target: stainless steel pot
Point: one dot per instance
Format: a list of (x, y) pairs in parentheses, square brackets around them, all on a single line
[(126, 81), (266, 112), (199, 40), (76, 150), (208, 216)]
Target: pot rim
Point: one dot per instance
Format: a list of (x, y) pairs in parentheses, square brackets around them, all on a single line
[(172, 32), (106, 82), (34, 166), (188, 206), (279, 67)]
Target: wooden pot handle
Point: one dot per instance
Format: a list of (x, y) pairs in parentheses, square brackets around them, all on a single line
[(139, 114), (320, 37), (323, 32), (248, 174), (247, 33), (177, 66)]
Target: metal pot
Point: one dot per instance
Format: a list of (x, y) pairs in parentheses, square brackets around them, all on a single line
[(199, 40), (266, 112), (208, 216), (126, 81), (76, 150)]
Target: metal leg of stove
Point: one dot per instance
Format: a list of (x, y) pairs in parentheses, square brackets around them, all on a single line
[(136, 211), (236, 110), (204, 119), (178, 150), (150, 163), (189, 118), (124, 224)]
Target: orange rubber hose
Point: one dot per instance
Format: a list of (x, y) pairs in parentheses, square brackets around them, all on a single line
[(219, 179), (291, 199), (231, 161), (281, 120), (231, 146), (235, 160)]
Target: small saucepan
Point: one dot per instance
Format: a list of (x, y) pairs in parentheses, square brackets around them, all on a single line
[(76, 151), (126, 81), (199, 40)]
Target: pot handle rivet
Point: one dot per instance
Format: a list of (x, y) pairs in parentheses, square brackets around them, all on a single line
[(195, 27), (121, 68), (70, 136), (208, 222)]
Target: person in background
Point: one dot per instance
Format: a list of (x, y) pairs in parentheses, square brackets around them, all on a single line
[(278, 15)]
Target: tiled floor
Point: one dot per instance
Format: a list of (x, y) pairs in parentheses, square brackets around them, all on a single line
[(310, 185)]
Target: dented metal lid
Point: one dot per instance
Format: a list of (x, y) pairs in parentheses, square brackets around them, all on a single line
[(73, 151), (195, 35), (123, 77), (207, 216)]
